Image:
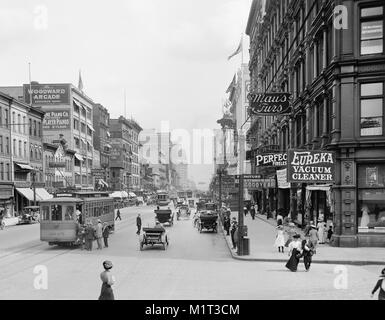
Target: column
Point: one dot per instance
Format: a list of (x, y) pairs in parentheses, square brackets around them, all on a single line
[(308, 126), (325, 52), (315, 122), (315, 59), (325, 120)]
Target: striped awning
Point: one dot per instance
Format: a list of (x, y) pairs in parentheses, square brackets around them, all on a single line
[(79, 157), (24, 166)]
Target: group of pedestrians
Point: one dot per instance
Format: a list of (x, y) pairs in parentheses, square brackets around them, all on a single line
[(87, 234), (300, 249)]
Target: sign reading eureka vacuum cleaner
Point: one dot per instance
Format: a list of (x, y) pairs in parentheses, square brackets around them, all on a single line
[(269, 104), (310, 166)]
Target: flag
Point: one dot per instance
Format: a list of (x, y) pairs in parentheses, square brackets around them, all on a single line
[(239, 50), (80, 84)]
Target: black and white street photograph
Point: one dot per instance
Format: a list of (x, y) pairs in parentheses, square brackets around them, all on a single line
[(196, 152)]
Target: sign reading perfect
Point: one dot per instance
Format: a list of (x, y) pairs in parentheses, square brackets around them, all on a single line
[(269, 104), (46, 94), (311, 166), (273, 159), (56, 120)]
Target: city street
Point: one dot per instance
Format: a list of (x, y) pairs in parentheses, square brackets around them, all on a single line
[(194, 266)]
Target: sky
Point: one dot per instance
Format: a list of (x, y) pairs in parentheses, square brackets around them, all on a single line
[(169, 56)]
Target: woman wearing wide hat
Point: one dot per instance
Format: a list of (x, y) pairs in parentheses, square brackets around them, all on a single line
[(294, 253), (380, 285), (107, 281)]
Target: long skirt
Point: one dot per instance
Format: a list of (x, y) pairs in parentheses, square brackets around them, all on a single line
[(292, 264), (106, 292)]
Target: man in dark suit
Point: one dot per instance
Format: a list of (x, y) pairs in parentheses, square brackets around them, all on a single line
[(138, 223)]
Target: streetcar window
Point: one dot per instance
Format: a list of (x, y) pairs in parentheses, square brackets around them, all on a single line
[(69, 213), (56, 212), (45, 213)]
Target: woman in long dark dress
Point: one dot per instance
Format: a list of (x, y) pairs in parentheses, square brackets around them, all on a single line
[(380, 285), (108, 280), (294, 253)]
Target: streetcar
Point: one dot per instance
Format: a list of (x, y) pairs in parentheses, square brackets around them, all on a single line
[(162, 198), (61, 216)]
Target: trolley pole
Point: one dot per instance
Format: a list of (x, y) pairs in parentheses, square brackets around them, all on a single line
[(241, 226)]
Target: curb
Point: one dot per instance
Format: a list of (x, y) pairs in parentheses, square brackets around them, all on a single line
[(245, 258)]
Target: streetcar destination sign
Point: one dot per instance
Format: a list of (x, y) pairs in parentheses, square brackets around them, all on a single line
[(269, 104), (311, 166)]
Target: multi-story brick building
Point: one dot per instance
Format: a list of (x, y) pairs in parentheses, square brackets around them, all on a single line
[(336, 74), (21, 155)]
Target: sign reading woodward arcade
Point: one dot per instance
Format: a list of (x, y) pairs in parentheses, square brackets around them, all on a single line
[(269, 104), (311, 166)]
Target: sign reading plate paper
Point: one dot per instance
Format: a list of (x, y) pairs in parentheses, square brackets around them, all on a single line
[(311, 166), (282, 179), (57, 119), (269, 104)]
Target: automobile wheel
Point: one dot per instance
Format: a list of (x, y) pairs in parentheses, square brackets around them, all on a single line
[(164, 246)]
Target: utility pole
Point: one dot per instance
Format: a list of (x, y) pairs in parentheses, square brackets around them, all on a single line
[(241, 226)]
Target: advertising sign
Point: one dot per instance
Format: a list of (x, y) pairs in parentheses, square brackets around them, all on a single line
[(255, 181), (282, 179), (57, 164), (311, 166), (58, 119), (47, 94), (269, 104), (98, 173), (273, 159)]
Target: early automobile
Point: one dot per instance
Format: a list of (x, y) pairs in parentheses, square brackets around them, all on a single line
[(207, 221), (164, 216), (191, 203), (183, 212), (30, 215), (153, 236)]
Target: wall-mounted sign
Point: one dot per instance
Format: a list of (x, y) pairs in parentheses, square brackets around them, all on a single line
[(310, 166), (57, 119), (57, 164), (255, 181), (269, 104), (273, 159), (46, 94), (282, 179), (372, 176)]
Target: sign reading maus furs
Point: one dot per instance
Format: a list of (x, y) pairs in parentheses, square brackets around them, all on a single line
[(269, 104), (46, 94), (56, 120), (311, 166)]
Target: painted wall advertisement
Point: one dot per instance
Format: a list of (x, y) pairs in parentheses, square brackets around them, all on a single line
[(58, 119), (310, 166), (46, 94)]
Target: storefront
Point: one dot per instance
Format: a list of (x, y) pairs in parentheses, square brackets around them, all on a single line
[(6, 200)]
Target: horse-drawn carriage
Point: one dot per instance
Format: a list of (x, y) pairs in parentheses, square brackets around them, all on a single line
[(153, 236), (164, 216), (208, 221)]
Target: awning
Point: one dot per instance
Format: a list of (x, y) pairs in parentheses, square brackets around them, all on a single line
[(24, 167), (79, 157), (90, 127), (124, 194), (116, 194), (103, 183), (108, 146), (108, 134), (131, 194), (321, 187), (43, 194), (27, 193), (84, 140), (78, 104)]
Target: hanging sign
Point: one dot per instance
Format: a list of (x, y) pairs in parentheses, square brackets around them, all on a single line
[(273, 159), (282, 179), (269, 104), (311, 166)]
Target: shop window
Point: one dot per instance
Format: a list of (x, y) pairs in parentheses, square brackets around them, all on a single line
[(371, 198), (372, 30), (56, 213), (372, 100)]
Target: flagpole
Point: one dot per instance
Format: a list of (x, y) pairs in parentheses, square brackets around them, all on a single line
[(242, 48), (30, 83)]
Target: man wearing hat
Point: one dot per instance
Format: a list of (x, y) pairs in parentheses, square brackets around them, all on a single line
[(234, 227), (99, 234), (313, 236), (108, 280), (380, 285), (90, 236)]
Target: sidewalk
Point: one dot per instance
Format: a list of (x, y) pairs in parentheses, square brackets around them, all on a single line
[(262, 232)]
